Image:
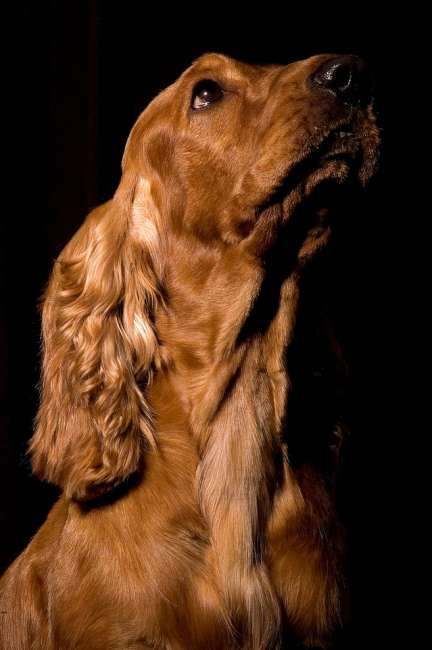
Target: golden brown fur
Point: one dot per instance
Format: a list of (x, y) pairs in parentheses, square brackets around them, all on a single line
[(168, 324)]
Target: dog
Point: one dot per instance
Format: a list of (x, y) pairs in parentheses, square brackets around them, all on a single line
[(180, 326)]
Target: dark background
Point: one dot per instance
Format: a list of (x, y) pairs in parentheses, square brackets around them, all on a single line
[(82, 73)]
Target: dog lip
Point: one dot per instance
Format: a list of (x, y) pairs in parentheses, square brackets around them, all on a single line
[(341, 143), (342, 154)]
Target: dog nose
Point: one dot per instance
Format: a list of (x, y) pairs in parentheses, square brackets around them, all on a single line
[(347, 77)]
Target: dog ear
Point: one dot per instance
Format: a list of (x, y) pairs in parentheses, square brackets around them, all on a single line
[(100, 347)]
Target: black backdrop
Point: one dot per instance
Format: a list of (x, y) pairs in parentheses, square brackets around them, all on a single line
[(83, 72)]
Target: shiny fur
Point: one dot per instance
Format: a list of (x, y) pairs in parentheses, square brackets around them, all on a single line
[(171, 328)]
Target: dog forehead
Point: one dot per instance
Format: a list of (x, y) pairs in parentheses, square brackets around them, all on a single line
[(215, 64)]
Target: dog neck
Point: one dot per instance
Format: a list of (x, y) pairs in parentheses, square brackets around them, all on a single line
[(230, 330)]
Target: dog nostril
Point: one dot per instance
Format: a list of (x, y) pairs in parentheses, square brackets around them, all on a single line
[(337, 77), (344, 76)]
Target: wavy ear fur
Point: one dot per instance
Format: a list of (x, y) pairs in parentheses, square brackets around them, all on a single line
[(100, 347)]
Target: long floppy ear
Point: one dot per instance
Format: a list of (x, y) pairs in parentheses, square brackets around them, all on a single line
[(100, 347)]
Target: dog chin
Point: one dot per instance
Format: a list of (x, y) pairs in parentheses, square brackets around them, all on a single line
[(311, 212)]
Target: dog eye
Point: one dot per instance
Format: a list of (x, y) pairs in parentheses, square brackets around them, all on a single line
[(206, 92)]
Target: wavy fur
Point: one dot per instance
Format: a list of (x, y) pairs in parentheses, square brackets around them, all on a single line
[(180, 413)]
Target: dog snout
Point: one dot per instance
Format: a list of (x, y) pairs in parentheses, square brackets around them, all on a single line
[(347, 77)]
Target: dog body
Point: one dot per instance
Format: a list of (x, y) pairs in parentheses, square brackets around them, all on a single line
[(174, 325)]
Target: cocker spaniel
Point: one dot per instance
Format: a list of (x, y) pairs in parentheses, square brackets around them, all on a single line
[(197, 465)]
